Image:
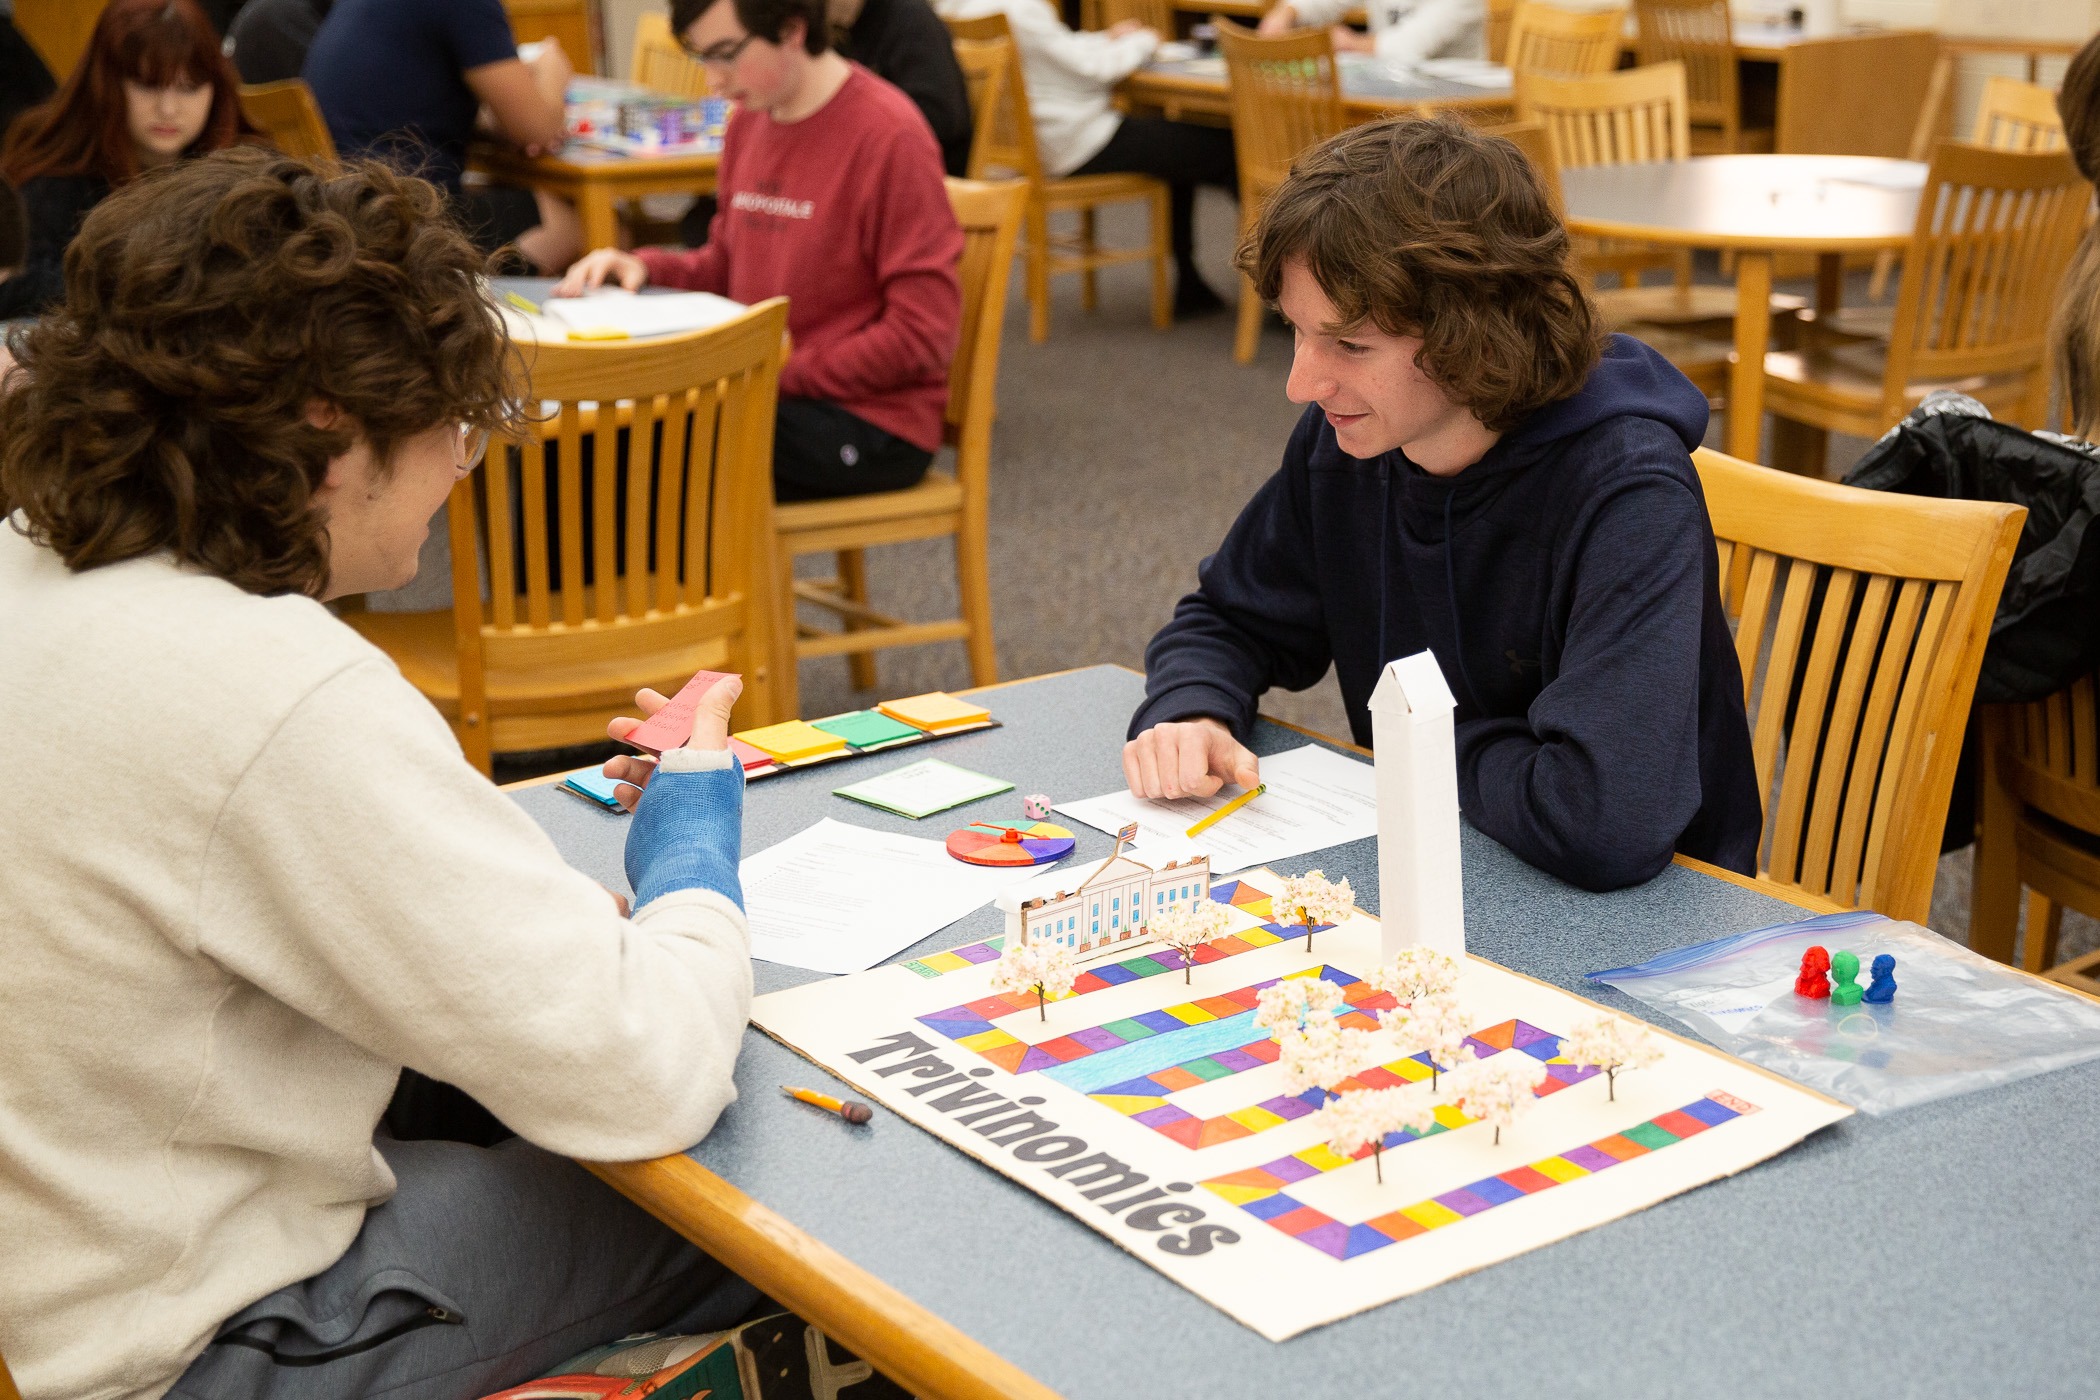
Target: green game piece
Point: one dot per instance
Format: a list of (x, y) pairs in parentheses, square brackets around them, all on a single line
[(1844, 979), (865, 728)]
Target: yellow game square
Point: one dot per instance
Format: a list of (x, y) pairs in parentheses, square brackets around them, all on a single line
[(1429, 1215), (1189, 1013), (986, 1040), (1559, 1168), (1321, 1156), (1256, 1119)]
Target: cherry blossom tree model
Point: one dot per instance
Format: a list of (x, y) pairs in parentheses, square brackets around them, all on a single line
[(1497, 1089), (1038, 966), (1313, 899), (1436, 1026), (1187, 927), (1363, 1117), (1612, 1044)]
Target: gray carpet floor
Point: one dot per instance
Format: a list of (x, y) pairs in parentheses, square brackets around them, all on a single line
[(1121, 455)]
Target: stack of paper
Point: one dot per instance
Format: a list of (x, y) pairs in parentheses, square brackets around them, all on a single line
[(611, 312), (867, 729), (673, 724), (936, 712), (751, 758), (793, 740), (923, 788)]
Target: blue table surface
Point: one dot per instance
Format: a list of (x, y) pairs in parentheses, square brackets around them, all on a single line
[(1933, 1252)]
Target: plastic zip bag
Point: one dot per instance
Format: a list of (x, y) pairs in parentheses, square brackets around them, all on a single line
[(1959, 1021)]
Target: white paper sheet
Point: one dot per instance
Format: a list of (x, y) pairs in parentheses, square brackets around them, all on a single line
[(1317, 798), (838, 897), (624, 311)]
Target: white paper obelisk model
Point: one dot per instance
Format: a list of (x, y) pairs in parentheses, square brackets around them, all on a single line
[(1421, 897)]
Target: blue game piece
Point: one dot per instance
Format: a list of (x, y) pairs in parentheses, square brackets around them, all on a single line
[(1883, 985)]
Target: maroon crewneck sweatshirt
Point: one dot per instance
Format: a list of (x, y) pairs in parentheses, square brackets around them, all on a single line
[(845, 214)]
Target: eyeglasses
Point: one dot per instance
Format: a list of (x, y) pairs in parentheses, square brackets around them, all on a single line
[(469, 447), (723, 54)]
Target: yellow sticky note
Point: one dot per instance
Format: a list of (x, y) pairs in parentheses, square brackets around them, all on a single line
[(792, 740), (934, 710)]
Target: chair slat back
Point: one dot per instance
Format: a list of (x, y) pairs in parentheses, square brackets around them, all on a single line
[(1286, 98), (655, 538), (1002, 143), (1545, 39), (1700, 35), (1860, 623), (2017, 116), (1500, 13), (1625, 118), (1532, 139), (1995, 231), (2049, 752), (660, 63), (287, 113), (1156, 15), (990, 215), (569, 23)]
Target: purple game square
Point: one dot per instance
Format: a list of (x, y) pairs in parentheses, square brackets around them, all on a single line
[(1159, 1117), (978, 953), (1238, 1061), (1590, 1159), (1289, 1169), (1098, 1038), (1495, 1191), (1331, 1238), (1287, 1109), (1464, 1202)]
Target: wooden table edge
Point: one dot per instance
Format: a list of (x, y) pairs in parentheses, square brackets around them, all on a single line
[(913, 1346), (1750, 243)]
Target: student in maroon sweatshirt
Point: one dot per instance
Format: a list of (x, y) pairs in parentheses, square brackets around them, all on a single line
[(830, 193)]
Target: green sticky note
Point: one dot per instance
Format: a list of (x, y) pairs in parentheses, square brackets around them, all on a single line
[(866, 728), (923, 788)]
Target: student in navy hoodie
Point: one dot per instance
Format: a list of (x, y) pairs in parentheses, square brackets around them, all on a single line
[(1481, 471)]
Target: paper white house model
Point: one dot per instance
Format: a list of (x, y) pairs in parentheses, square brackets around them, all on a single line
[(1421, 897), (1111, 905)]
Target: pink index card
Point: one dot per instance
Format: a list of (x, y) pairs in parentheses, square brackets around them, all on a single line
[(673, 724), (748, 756)]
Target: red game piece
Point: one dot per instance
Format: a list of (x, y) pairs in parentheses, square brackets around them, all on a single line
[(1814, 981)]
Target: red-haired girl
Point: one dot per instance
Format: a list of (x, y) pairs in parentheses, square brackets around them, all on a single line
[(152, 88)]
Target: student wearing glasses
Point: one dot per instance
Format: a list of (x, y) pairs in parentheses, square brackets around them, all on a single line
[(831, 194), (279, 883)]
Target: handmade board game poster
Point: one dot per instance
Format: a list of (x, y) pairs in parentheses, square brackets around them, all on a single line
[(1152, 1109)]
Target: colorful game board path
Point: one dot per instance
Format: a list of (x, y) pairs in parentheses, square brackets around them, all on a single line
[(1260, 1190)]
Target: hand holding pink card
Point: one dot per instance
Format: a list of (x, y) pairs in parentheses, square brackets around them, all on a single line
[(673, 724)]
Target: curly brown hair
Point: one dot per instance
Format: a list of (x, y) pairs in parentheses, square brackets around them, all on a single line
[(209, 306), (2074, 332), (1432, 228)]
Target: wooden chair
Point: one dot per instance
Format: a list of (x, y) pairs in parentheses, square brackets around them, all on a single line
[(1703, 352), (1156, 15), (1860, 620), (1624, 118), (1499, 15), (1286, 98), (1548, 41), (957, 505), (568, 22), (287, 113), (2012, 116), (663, 568), (1995, 231), (1700, 34), (661, 64), (2038, 829), (2017, 116), (7, 1383), (1004, 145)]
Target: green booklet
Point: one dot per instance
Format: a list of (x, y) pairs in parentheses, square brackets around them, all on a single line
[(866, 729), (923, 788)]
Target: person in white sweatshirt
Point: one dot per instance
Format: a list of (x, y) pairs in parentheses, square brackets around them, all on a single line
[(1405, 31), (250, 877), (1071, 76)]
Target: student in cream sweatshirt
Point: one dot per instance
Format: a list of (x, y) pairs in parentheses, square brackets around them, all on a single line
[(249, 876)]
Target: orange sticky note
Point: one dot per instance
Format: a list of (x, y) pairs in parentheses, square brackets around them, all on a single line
[(936, 710), (673, 724)]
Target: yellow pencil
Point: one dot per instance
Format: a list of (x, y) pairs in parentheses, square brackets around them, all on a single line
[(521, 303), (852, 1110), (1229, 808)]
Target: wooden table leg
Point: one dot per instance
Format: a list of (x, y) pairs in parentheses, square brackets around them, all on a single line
[(594, 204), (1753, 331), (1830, 285)]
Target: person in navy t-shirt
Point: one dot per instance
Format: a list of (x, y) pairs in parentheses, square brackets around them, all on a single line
[(403, 81)]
